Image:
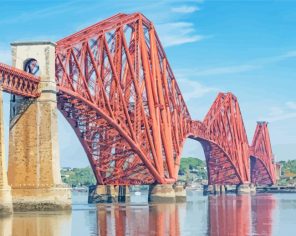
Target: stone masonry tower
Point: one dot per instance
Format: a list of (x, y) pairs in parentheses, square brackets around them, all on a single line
[(33, 165)]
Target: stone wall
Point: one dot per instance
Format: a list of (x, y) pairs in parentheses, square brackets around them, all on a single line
[(33, 166)]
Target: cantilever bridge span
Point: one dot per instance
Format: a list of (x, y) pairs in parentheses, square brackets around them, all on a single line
[(118, 92)]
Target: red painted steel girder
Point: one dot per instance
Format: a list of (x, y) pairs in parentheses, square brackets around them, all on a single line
[(262, 163), (18, 82), (118, 92), (224, 140)]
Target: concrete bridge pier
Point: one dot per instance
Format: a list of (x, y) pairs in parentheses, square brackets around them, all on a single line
[(161, 193), (180, 193), (33, 165), (222, 189), (243, 188), (5, 191), (158, 193), (108, 194), (208, 189), (123, 194), (167, 193), (217, 189), (252, 188), (214, 189)]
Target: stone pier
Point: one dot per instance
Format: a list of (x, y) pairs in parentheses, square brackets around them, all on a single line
[(253, 188), (180, 193), (162, 193), (217, 189), (243, 188), (33, 165), (108, 194), (5, 191), (123, 194), (222, 189), (208, 189), (102, 194), (158, 193)]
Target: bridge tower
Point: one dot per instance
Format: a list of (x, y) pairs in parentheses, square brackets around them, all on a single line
[(33, 165)]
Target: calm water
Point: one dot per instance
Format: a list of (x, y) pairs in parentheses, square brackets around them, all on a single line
[(263, 214)]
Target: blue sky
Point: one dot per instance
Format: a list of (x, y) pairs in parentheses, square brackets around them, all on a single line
[(247, 47)]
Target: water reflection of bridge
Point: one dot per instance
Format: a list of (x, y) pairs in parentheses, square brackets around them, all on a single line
[(215, 215), (240, 215), (227, 215), (162, 219)]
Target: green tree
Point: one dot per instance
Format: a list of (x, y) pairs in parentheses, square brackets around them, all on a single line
[(78, 177), (189, 163)]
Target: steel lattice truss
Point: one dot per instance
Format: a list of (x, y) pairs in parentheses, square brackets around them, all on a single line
[(262, 164), (224, 140), (118, 92)]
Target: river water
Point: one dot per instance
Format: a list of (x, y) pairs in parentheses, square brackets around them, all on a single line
[(261, 214)]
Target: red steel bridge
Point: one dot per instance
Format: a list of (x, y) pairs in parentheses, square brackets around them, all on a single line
[(117, 90)]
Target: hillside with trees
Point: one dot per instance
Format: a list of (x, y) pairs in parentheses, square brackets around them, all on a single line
[(193, 168), (78, 177), (190, 168), (288, 168)]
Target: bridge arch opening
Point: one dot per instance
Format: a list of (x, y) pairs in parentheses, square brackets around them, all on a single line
[(195, 171), (220, 168), (260, 175), (73, 158), (72, 153)]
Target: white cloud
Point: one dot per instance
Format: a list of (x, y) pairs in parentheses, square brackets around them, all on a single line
[(185, 9), (274, 59), (193, 89), (281, 117), (44, 12), (291, 105), (218, 70), (289, 54), (251, 66), (275, 111), (177, 33), (281, 113)]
